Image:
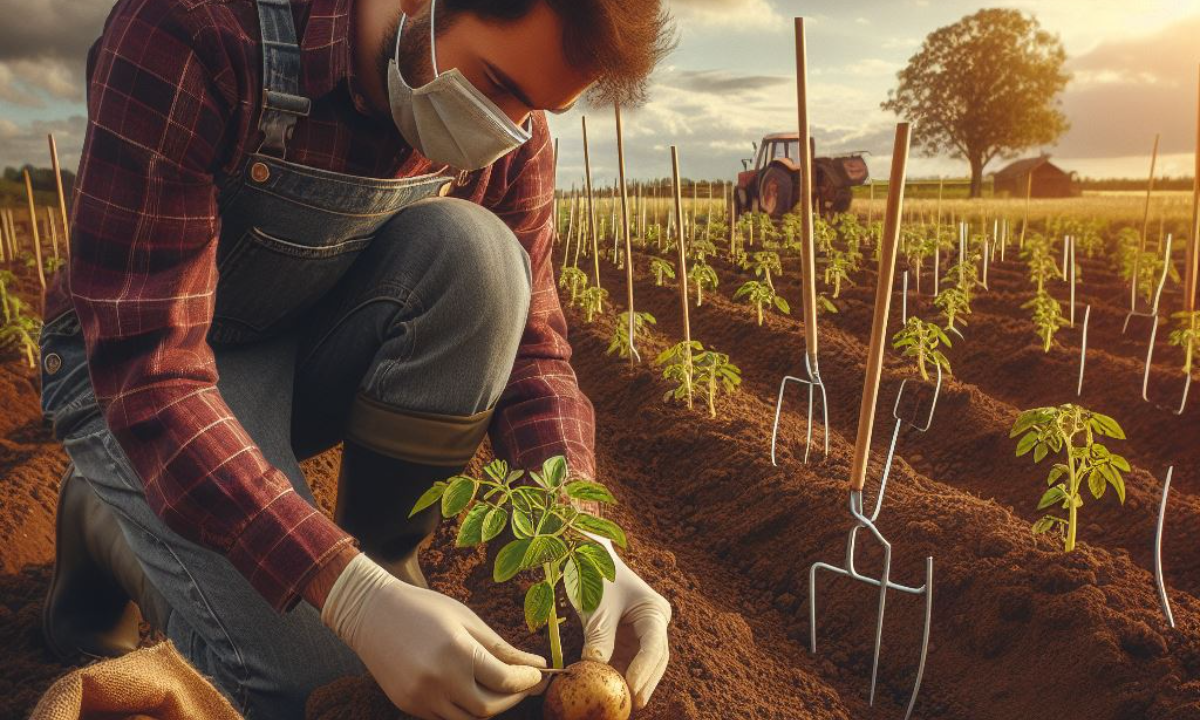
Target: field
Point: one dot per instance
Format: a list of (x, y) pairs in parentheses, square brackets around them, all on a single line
[(1020, 628)]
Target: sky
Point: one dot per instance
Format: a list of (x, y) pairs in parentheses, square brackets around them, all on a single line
[(732, 80)]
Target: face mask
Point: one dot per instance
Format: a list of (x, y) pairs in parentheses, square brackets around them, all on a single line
[(448, 120)]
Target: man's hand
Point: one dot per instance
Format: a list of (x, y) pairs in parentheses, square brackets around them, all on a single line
[(629, 629), (433, 656)]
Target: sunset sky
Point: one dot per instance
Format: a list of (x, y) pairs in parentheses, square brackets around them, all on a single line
[(731, 80)]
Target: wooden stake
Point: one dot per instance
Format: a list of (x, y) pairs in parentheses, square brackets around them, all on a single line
[(1028, 199), (53, 231), (33, 227), (1193, 247), (625, 230), (808, 272), (62, 200), (883, 302), (1149, 191), (587, 166), (683, 278)]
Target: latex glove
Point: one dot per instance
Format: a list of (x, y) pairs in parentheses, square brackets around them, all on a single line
[(629, 629), (433, 656)]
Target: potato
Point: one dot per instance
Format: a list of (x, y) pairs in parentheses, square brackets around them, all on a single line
[(588, 691)]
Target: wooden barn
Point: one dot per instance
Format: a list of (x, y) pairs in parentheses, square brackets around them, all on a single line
[(1049, 180)]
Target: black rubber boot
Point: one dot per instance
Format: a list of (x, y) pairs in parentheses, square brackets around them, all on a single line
[(375, 494), (89, 607)]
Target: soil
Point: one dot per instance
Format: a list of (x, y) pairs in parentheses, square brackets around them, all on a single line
[(1019, 627)]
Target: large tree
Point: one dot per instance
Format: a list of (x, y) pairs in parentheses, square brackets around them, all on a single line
[(984, 87)]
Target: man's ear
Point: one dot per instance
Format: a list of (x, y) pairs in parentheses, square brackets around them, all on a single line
[(412, 8)]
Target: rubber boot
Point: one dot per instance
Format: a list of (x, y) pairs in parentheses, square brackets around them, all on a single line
[(389, 459), (89, 607)]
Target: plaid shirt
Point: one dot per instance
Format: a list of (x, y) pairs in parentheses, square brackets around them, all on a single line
[(173, 98)]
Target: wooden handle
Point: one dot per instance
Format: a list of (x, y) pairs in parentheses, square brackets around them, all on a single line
[(587, 166), (883, 301), (1149, 191), (683, 278), (62, 200), (1193, 248), (625, 230), (808, 271)]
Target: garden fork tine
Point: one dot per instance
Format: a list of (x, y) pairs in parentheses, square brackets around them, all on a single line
[(862, 448), (1187, 383), (1158, 533), (1162, 281), (808, 274)]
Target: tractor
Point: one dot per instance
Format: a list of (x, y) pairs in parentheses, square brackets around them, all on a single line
[(772, 185)]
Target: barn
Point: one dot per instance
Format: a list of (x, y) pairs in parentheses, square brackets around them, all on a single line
[(1049, 180)]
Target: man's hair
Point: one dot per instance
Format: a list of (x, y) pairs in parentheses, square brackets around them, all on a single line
[(619, 41)]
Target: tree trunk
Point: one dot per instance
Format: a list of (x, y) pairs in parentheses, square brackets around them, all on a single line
[(976, 177)]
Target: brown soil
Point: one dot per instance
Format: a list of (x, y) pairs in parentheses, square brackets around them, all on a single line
[(1019, 628)]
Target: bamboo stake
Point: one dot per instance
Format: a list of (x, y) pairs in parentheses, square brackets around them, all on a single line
[(1137, 259), (1073, 280), (587, 165), (808, 271), (1028, 199), (53, 231), (33, 228), (625, 229), (12, 235), (3, 235), (883, 302), (1193, 248), (683, 278), (62, 200)]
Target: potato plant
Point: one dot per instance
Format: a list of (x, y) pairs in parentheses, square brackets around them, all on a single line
[(765, 263), (593, 302), (921, 341), (1186, 335), (714, 374), (954, 303), (641, 329), (1047, 317), (678, 364), (761, 295), (575, 279), (1072, 429), (548, 531), (21, 329), (702, 276), (825, 305), (661, 268)]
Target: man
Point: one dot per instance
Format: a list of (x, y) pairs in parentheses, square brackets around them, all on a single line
[(262, 268)]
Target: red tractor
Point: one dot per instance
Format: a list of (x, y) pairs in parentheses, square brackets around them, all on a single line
[(772, 185)]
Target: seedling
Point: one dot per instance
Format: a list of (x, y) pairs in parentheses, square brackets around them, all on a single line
[(661, 269), (920, 340), (1074, 429), (702, 276), (765, 263), (679, 367), (760, 295), (593, 301), (1185, 336), (20, 330), (825, 305), (1047, 317), (548, 531), (953, 302), (837, 272), (575, 279), (713, 374), (641, 329)]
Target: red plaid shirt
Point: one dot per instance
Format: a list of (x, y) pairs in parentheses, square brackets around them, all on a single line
[(173, 97)]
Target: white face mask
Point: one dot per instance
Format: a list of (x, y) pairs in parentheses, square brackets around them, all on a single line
[(448, 120)]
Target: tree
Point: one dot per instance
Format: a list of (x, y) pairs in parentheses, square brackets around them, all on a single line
[(986, 86)]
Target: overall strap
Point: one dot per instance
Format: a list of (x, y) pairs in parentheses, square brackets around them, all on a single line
[(282, 103)]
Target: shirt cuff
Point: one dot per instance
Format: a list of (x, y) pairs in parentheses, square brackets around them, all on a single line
[(284, 547)]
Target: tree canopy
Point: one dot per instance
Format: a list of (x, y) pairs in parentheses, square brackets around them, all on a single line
[(985, 87)]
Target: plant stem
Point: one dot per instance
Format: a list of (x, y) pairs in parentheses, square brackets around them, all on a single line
[(1071, 518), (556, 657)]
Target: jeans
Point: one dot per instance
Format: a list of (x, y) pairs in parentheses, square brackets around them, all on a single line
[(428, 318)]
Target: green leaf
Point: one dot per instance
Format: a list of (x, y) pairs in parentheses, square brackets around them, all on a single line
[(493, 523), (1105, 425), (1118, 484), (508, 561), (456, 498), (554, 471), (1025, 444), (543, 549), (1056, 472), (1052, 496), (599, 556), (601, 527), (1096, 483), (1120, 463), (588, 490), (583, 583), (496, 470), (539, 600), (470, 532), (1043, 525), (522, 523), (1026, 420), (1039, 452), (431, 496)]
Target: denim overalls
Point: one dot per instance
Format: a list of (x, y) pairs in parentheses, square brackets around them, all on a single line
[(428, 319)]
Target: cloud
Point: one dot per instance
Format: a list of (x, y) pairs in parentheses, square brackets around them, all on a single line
[(42, 56), (729, 14), (26, 143)]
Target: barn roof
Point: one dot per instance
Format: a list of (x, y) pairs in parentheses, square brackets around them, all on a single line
[(1021, 168)]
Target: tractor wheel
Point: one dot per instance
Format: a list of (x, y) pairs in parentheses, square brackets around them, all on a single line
[(841, 200), (777, 192)]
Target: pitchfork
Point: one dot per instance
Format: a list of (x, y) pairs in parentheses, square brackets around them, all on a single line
[(1187, 383), (862, 448), (808, 271)]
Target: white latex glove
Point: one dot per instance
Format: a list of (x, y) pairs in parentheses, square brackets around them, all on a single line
[(433, 656), (629, 629)]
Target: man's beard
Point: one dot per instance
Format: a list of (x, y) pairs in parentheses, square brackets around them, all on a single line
[(413, 55)]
